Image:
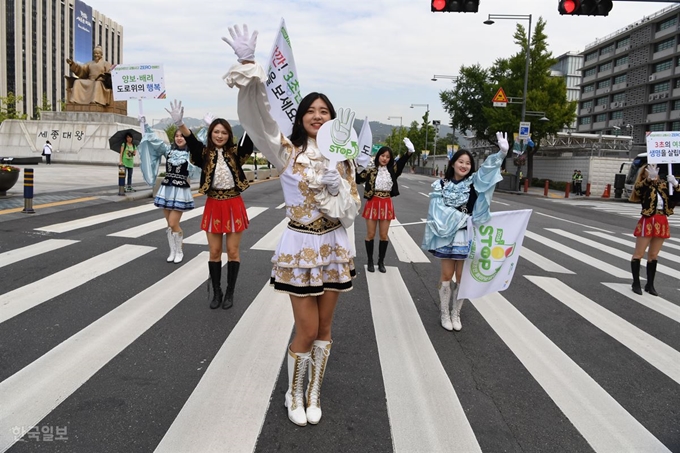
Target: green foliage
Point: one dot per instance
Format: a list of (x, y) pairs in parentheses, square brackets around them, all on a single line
[(8, 107), (44, 107), (170, 132)]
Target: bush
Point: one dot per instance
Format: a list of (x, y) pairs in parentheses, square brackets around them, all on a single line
[(554, 185)]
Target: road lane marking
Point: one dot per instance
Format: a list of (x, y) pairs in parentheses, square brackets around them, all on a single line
[(16, 255)]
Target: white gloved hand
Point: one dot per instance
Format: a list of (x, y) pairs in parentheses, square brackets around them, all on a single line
[(176, 113), (341, 129), (671, 180), (208, 119), (331, 178), (503, 144), (243, 45), (409, 145), (652, 172)]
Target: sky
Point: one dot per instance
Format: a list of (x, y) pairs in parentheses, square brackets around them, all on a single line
[(374, 57)]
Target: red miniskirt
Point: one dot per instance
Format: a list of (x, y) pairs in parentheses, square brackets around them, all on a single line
[(224, 216), (379, 209), (655, 226)]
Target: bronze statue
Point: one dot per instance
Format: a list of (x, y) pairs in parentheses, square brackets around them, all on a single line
[(93, 85)]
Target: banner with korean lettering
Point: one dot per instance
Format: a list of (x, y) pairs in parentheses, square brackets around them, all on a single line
[(138, 81), (494, 252), (663, 147), (283, 87)]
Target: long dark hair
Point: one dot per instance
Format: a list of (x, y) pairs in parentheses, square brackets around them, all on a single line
[(174, 141), (299, 135), (390, 164), (230, 142), (450, 174)]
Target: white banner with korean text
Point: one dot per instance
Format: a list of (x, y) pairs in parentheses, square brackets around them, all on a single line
[(494, 252), (283, 87), (138, 81)]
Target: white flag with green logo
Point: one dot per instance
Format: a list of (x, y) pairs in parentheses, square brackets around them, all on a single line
[(494, 252), (282, 85)]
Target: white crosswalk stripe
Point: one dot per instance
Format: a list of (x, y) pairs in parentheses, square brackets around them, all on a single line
[(229, 405)]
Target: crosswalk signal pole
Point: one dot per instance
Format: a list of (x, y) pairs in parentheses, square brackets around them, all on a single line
[(28, 191)]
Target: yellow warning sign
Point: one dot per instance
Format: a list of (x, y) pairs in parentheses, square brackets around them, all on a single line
[(500, 97)]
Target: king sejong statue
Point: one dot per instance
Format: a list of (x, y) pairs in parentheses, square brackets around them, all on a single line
[(93, 85)]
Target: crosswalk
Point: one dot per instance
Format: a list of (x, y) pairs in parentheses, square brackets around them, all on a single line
[(577, 272)]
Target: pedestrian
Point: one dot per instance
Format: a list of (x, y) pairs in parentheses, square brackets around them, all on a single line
[(461, 194), (128, 151), (574, 186), (222, 181), (174, 194), (381, 186), (313, 262), (47, 152), (579, 182), (652, 229)]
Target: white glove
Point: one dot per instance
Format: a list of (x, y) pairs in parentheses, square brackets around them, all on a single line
[(409, 145), (342, 126), (331, 178), (176, 113), (671, 180), (652, 172), (503, 144), (243, 45), (208, 119)]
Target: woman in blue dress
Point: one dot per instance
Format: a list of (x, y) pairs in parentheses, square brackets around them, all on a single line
[(461, 194)]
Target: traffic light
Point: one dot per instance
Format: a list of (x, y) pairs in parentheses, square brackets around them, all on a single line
[(454, 6), (584, 7)]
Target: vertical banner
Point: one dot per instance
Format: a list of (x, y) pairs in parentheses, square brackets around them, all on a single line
[(82, 32), (365, 145), (283, 87), (494, 252)]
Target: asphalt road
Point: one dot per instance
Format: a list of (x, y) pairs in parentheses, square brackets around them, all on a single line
[(118, 350)]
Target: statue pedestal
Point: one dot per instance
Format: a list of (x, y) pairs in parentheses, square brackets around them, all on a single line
[(118, 107)]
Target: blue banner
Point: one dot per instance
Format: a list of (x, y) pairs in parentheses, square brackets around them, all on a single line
[(82, 32)]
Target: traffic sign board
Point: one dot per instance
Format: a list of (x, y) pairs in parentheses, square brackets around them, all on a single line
[(500, 99), (524, 130)]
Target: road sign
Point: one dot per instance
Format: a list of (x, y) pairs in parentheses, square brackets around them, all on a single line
[(500, 99), (524, 130)]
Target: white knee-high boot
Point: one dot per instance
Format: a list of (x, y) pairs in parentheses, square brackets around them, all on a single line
[(317, 367), (444, 298), (295, 396), (179, 253), (455, 312), (171, 241)]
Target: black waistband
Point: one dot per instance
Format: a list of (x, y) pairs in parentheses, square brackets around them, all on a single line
[(319, 226)]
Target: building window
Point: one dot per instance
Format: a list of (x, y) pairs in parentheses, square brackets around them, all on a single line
[(622, 43), (591, 87), (591, 56), (621, 61), (620, 79), (658, 108), (602, 101), (584, 120), (675, 126), (587, 105), (661, 87), (608, 49), (676, 105), (604, 84), (663, 45), (659, 127), (589, 72), (619, 97), (663, 66), (618, 115), (667, 24), (606, 66), (601, 118)]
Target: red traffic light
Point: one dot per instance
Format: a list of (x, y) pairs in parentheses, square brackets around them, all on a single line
[(438, 5), (584, 7), (454, 6), (568, 6)]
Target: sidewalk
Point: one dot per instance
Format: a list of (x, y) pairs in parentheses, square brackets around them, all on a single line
[(539, 192)]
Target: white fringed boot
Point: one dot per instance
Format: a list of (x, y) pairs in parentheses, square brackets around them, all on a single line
[(317, 367), (444, 298), (295, 396), (171, 241), (179, 253), (455, 312)]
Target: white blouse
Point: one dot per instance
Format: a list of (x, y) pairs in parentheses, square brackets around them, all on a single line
[(223, 178), (383, 181)]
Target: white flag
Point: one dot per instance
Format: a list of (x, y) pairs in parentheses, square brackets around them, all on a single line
[(283, 88), (494, 253), (365, 145)]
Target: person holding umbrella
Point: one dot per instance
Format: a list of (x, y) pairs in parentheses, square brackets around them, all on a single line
[(222, 181), (128, 151)]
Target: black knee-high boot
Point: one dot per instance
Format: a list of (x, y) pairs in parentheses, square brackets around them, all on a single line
[(369, 252), (635, 269), (215, 268), (651, 273), (382, 249), (232, 275)]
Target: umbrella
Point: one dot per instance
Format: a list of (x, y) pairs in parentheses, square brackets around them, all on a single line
[(117, 139)]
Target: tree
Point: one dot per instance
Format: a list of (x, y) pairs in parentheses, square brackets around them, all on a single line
[(170, 132), (8, 107), (45, 107)]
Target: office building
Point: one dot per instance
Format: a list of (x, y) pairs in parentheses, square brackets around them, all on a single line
[(569, 66), (36, 38)]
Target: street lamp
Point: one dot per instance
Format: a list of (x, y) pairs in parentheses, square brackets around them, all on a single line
[(490, 21), (541, 114), (400, 119), (450, 77), (427, 125)]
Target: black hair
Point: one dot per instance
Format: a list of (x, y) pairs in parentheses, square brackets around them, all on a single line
[(299, 135), (230, 141), (390, 164), (450, 174), (173, 145)]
